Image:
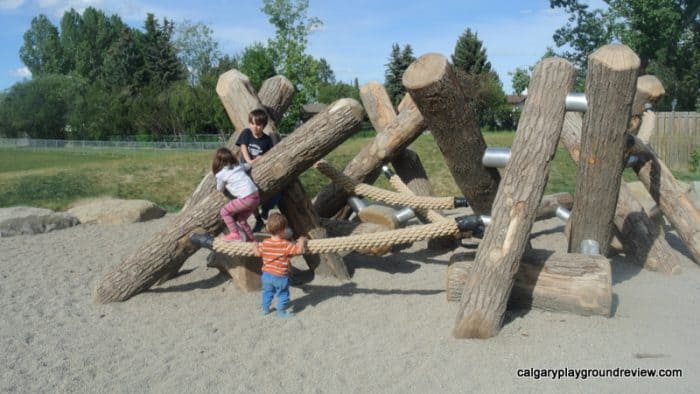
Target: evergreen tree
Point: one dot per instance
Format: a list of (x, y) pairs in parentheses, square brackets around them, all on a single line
[(160, 56), (399, 60), (469, 56)]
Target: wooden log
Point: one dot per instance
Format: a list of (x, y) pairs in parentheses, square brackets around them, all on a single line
[(432, 84), (245, 271), (549, 204), (342, 228), (283, 163), (647, 128), (506, 238), (649, 91), (304, 220), (610, 87), (557, 282), (275, 96), (671, 196), (406, 163), (641, 238), (365, 166)]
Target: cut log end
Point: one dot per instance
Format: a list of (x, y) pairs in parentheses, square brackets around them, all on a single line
[(425, 71), (650, 86), (617, 57)]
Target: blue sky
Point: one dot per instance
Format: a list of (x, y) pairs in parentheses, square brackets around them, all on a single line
[(355, 38)]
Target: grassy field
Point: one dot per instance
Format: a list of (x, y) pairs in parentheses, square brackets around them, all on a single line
[(55, 179)]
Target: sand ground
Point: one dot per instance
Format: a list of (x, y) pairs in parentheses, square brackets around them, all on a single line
[(389, 330)]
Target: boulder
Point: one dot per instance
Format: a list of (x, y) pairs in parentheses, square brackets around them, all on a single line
[(115, 211), (28, 220)]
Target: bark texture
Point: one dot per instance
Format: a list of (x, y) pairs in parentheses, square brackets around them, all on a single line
[(558, 282), (610, 89), (432, 84), (487, 289)]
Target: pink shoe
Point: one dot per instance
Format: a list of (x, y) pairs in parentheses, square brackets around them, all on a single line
[(231, 237)]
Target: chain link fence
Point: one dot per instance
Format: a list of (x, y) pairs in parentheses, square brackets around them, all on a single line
[(86, 145)]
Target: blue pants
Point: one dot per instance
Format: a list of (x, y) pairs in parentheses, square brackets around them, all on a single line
[(269, 204), (275, 286)]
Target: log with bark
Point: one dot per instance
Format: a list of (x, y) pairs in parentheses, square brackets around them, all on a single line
[(557, 282), (281, 165), (433, 85), (487, 289), (365, 166), (610, 89), (642, 239)]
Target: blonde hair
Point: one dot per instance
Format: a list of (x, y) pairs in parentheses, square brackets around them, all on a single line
[(276, 223)]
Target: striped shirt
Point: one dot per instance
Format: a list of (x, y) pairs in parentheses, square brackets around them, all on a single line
[(275, 255)]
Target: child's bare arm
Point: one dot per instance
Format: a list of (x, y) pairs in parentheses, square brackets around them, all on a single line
[(256, 249), (301, 243), (246, 155)]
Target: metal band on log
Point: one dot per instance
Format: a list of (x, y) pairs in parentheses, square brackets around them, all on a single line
[(396, 136), (432, 84), (488, 287), (610, 88), (171, 246), (559, 282)]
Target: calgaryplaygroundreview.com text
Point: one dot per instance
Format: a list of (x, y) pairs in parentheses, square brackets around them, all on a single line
[(585, 373)]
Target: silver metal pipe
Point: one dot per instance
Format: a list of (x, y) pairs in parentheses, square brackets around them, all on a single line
[(404, 215), (496, 157), (632, 160), (357, 204), (590, 247), (387, 171), (486, 220), (576, 102), (563, 214)]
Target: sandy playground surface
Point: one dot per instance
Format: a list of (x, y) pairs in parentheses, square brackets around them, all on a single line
[(389, 330)]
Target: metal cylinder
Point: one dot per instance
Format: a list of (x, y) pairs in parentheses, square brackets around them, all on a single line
[(576, 102), (485, 220), (357, 204), (563, 214), (632, 160), (590, 247), (387, 171), (496, 157), (404, 215)]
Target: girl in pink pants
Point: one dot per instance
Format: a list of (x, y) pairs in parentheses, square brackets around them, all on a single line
[(232, 178)]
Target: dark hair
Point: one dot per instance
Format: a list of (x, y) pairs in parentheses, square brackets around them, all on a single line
[(258, 116), (276, 223), (222, 158)]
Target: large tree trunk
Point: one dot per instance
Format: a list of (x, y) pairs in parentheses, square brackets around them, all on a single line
[(281, 165), (397, 135), (558, 282), (610, 88), (432, 84), (488, 287), (409, 168), (641, 238)]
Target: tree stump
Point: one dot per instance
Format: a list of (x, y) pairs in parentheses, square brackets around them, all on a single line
[(432, 84), (488, 287), (610, 87), (557, 282)]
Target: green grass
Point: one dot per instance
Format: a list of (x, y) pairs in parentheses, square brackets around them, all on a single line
[(56, 179)]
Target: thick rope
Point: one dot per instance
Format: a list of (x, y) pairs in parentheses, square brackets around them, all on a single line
[(361, 189), (441, 228), (397, 183)]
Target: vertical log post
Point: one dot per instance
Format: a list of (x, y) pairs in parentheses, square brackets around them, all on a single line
[(488, 287), (432, 84), (610, 87), (641, 238)]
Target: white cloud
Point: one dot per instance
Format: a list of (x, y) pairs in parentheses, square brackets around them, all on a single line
[(11, 4), (22, 72)]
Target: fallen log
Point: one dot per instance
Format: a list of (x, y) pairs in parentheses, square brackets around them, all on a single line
[(283, 163), (487, 289), (432, 84), (610, 88), (557, 282), (642, 239)]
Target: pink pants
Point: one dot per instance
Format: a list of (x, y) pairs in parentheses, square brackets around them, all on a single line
[(236, 213)]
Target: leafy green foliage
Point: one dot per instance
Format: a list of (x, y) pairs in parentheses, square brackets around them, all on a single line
[(41, 51), (196, 48), (520, 78), (257, 64)]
